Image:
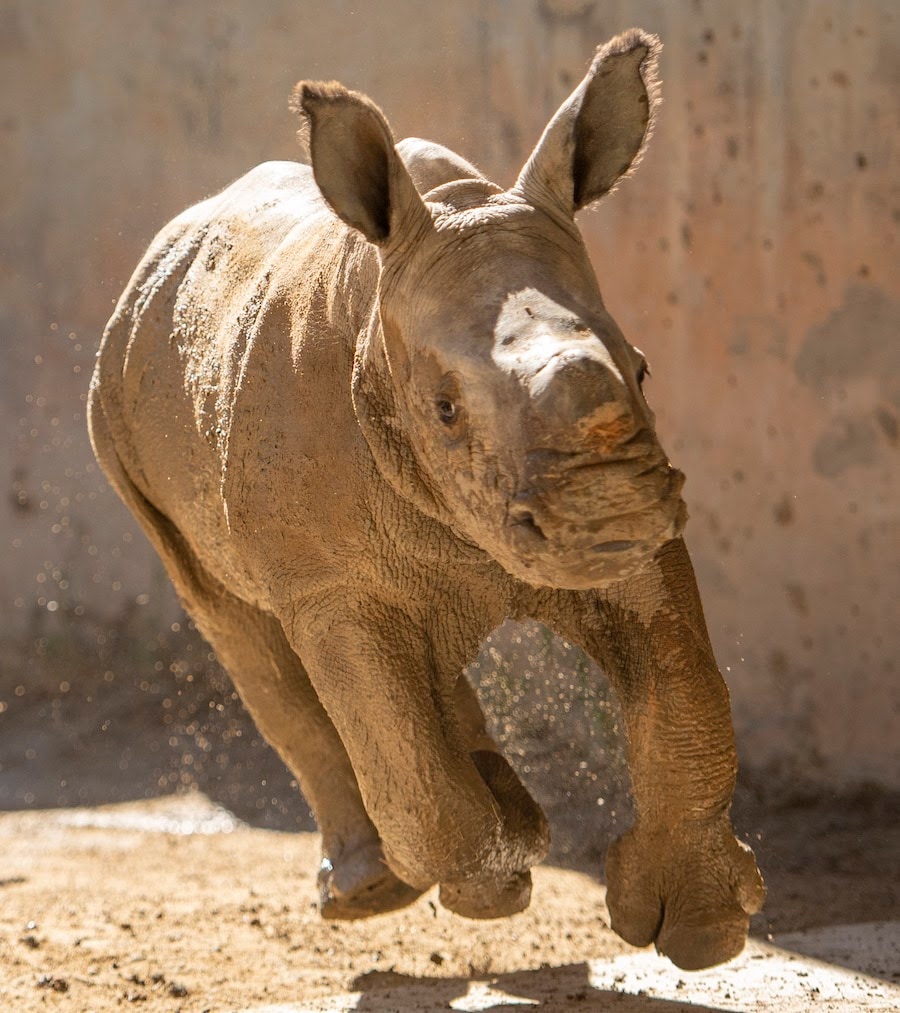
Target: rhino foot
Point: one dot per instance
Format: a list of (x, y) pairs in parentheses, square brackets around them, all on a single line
[(691, 890), (361, 885), (527, 836)]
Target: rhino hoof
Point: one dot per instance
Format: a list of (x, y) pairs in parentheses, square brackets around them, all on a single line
[(481, 901), (360, 886)]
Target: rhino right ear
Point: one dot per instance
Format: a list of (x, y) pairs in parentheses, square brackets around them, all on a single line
[(355, 163), (599, 134)]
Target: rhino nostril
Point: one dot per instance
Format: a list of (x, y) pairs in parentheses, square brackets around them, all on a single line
[(525, 519), (649, 470)]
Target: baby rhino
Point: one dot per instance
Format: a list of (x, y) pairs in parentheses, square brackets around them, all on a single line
[(366, 410)]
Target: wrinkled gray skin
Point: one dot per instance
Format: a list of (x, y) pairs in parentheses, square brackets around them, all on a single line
[(361, 431)]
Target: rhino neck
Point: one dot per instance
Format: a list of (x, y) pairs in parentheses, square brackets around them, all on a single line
[(378, 416)]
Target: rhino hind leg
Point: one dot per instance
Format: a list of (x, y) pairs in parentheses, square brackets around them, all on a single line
[(354, 879)]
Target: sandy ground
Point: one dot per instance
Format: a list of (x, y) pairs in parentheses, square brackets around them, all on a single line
[(173, 904)]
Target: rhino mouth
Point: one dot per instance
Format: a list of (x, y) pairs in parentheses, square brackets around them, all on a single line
[(526, 524), (616, 546), (557, 541)]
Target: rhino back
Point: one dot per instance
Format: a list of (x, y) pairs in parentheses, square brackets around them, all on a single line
[(224, 374)]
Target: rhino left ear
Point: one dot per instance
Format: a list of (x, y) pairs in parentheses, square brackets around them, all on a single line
[(599, 134), (355, 162)]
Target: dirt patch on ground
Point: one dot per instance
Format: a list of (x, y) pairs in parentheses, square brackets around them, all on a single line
[(174, 905), (196, 921)]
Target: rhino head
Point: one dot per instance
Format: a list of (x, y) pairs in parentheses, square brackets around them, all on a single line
[(494, 388)]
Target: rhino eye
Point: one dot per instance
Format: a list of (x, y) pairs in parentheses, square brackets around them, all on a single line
[(447, 411)]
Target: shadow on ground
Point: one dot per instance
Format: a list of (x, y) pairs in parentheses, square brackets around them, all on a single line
[(560, 988)]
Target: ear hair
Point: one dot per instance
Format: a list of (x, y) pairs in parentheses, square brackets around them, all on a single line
[(303, 131), (305, 92)]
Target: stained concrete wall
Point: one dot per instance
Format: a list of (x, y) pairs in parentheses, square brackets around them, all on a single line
[(754, 258)]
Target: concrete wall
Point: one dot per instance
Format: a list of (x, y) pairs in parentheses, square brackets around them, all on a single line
[(754, 258)]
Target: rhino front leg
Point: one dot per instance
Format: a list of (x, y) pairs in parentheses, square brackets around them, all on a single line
[(679, 877), (522, 812), (444, 814)]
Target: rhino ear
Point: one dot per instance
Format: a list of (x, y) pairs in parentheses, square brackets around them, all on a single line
[(600, 132), (355, 163)]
